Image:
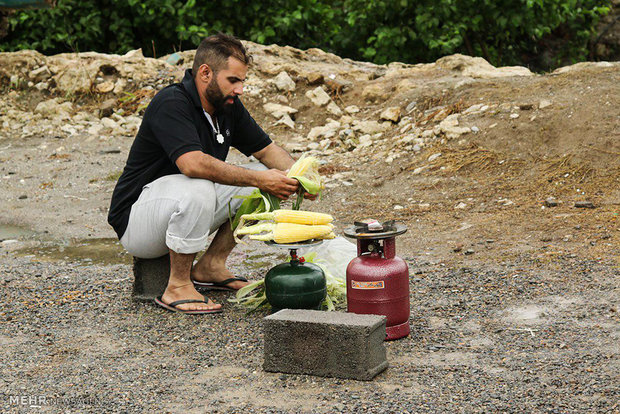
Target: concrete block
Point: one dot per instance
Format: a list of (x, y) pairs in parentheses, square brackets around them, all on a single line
[(327, 344), (150, 277)]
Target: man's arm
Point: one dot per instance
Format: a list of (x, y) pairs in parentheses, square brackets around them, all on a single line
[(274, 156), (197, 164)]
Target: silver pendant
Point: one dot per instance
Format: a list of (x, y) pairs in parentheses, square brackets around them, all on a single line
[(220, 138)]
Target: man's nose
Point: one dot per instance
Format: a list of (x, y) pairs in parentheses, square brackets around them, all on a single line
[(238, 90)]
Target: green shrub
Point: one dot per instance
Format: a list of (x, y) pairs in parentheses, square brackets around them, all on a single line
[(540, 33)]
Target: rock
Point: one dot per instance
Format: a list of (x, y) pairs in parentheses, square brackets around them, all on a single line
[(473, 109), (119, 86), (40, 74), (434, 157), (475, 129), (42, 86), (22, 197), (52, 108), (318, 96), (370, 127), (314, 78), (469, 252), (365, 141), (584, 204), (107, 108), (333, 109), (95, 129), (551, 202), (544, 103), (526, 106), (391, 114), (460, 206), (286, 120), (174, 59), (109, 123), (352, 109), (326, 131), (514, 116), (477, 67), (374, 92), (450, 121), (411, 106), (105, 87), (284, 82), (277, 110)]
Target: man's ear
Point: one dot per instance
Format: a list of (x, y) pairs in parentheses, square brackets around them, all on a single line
[(205, 72)]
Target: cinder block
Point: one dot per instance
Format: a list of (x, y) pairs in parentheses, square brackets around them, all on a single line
[(150, 277), (327, 344)]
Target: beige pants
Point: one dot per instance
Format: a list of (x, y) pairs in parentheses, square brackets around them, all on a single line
[(178, 213)]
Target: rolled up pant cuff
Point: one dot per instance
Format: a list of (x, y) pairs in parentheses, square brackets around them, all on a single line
[(184, 245)]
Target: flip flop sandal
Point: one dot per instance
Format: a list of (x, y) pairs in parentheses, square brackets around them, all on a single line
[(173, 306), (219, 285)]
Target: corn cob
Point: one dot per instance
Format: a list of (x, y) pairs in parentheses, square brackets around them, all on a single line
[(286, 232), (290, 216)]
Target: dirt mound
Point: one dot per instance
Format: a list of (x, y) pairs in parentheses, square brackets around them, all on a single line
[(459, 150)]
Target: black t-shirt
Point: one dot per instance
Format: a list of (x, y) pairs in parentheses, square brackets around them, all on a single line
[(174, 123)]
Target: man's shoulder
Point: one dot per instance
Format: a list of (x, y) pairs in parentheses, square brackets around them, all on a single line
[(173, 95)]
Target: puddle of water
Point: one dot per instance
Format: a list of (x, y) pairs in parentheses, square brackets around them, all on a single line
[(8, 231), (83, 252)]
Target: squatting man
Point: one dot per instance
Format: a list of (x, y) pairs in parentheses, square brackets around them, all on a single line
[(176, 187)]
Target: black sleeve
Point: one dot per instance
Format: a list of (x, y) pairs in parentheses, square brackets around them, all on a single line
[(248, 136), (173, 126)]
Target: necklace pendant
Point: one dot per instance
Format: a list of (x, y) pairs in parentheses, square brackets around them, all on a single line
[(220, 138)]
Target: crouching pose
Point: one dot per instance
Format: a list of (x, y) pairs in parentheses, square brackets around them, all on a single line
[(176, 187)]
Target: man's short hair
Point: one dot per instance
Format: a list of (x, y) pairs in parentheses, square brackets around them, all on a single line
[(215, 51)]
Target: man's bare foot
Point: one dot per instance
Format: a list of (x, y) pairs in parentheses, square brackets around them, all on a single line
[(203, 272), (174, 293)]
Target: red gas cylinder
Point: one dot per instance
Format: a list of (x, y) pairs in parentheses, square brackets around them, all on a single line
[(377, 279)]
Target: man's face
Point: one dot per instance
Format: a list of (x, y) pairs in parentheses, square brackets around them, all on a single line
[(226, 84)]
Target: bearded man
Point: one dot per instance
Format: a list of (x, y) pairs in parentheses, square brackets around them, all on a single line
[(176, 186)]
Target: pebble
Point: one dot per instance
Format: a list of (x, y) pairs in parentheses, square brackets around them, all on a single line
[(584, 204), (551, 202)]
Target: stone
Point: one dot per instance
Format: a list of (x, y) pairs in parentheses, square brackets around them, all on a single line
[(327, 344), (391, 114), (478, 68), (374, 92), (107, 108), (584, 204), (109, 123), (150, 277), (40, 74), (352, 109), (283, 82), (105, 87), (544, 103), (333, 109), (286, 120), (551, 202), (318, 96), (277, 110), (370, 127), (434, 157), (326, 131), (315, 78), (53, 108)]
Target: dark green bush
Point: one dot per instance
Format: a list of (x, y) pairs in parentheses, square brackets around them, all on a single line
[(539, 33)]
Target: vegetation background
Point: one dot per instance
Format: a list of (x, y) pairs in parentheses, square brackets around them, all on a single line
[(540, 34)]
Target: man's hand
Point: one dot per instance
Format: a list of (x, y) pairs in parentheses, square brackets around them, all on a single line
[(277, 183), (309, 196)]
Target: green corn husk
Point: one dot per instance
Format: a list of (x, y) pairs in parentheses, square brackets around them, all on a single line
[(336, 291), (257, 202)]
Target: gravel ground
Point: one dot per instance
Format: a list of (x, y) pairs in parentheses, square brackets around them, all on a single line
[(513, 338)]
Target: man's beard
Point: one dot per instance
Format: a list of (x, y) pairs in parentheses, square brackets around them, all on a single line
[(214, 95)]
